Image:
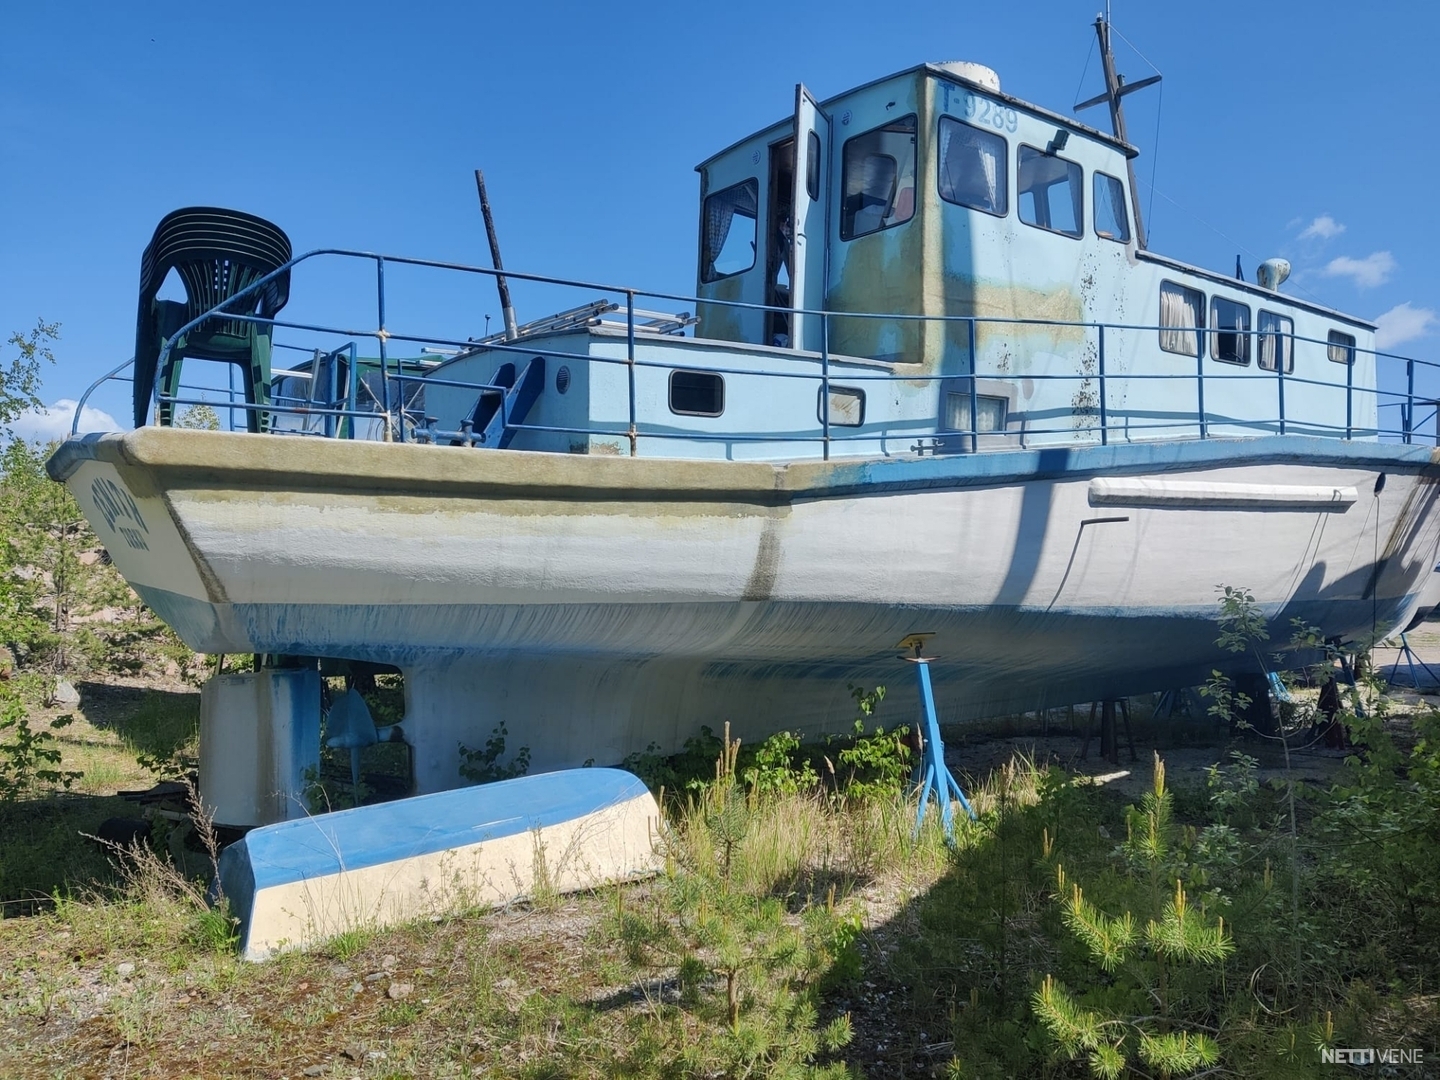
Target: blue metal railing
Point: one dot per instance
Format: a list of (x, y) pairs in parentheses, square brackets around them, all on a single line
[(1094, 418)]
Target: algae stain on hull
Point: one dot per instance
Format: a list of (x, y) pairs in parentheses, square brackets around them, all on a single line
[(882, 273), (985, 300), (718, 321)]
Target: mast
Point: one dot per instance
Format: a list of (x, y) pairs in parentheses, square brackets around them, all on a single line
[(1115, 90), (501, 284)]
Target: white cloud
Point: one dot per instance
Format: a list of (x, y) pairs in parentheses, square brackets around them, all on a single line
[(1374, 269), (1323, 227), (1402, 323), (52, 423)]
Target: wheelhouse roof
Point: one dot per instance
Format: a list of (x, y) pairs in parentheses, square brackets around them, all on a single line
[(949, 76)]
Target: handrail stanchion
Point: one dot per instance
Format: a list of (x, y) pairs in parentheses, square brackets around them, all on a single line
[(630, 361), (1100, 364), (1409, 397), (1280, 380), (825, 385), (380, 336), (1349, 400), (1200, 383), (974, 391)]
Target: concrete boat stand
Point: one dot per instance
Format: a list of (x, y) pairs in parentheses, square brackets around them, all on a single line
[(297, 879)]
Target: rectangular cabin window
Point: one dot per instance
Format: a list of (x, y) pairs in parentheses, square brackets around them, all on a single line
[(878, 179), (812, 167), (1111, 219), (1277, 342), (1230, 336), (1049, 190), (731, 221), (847, 406), (1182, 318), (973, 167), (697, 393), (1341, 347), (989, 412)]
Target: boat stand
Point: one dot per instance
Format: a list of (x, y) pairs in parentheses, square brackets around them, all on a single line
[(1407, 654), (932, 774), (1109, 743)]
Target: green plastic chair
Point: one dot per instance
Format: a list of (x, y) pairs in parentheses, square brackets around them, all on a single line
[(217, 253)]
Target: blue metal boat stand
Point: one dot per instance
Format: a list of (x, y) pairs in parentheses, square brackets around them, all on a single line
[(932, 774), (1407, 654)]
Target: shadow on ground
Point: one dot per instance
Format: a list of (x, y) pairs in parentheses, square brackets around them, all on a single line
[(154, 724)]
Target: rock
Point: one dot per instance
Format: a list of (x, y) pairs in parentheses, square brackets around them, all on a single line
[(354, 1053), (65, 694), (125, 970), (389, 961), (315, 1070), (400, 990), (123, 832), (375, 976)]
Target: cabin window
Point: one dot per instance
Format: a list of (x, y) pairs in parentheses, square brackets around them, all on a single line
[(1277, 342), (847, 406), (731, 220), (879, 179), (1111, 220), (973, 167), (1182, 317), (1230, 338), (1341, 347), (1049, 190), (812, 167), (989, 412), (697, 393)]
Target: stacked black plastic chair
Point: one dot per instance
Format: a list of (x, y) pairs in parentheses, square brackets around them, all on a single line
[(217, 254)]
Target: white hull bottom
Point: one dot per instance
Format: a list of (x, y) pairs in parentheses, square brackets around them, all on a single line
[(569, 709), (597, 606)]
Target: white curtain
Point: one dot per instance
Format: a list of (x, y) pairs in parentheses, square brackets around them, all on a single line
[(971, 165), (1276, 335), (1180, 317)]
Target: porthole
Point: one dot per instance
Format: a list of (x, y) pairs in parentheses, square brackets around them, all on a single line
[(697, 393), (562, 379)]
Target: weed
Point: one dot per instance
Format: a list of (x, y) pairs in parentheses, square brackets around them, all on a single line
[(483, 766), (28, 756)]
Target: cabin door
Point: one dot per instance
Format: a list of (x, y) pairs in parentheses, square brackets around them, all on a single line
[(809, 264), (779, 240)]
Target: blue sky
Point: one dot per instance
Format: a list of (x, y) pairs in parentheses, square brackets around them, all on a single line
[(1294, 129)]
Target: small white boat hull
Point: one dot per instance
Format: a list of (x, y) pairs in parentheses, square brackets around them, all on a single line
[(299, 883)]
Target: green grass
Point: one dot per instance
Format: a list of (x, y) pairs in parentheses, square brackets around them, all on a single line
[(793, 933)]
